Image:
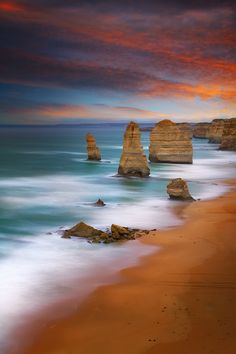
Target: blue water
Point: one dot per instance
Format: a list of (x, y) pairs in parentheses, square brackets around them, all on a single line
[(46, 184)]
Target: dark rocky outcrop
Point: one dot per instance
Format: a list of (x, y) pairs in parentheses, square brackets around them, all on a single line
[(122, 233), (100, 203), (216, 131), (178, 190), (229, 135), (169, 143), (93, 235), (201, 130), (92, 149), (84, 230), (133, 161)]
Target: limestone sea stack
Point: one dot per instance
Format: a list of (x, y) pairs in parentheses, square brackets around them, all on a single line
[(201, 130), (133, 161), (186, 127), (229, 135), (216, 131), (168, 143), (178, 190), (92, 149)]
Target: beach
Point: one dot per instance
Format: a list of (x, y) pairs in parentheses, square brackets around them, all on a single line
[(180, 299)]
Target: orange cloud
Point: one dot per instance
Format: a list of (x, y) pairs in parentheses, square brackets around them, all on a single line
[(10, 6), (103, 112), (188, 91), (188, 56)]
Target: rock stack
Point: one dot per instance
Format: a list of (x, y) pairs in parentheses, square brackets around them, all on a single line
[(229, 135), (168, 143), (201, 130), (216, 131), (92, 149), (178, 190), (133, 161), (186, 127)]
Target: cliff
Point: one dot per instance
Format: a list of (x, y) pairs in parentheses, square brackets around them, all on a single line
[(229, 135), (168, 143), (201, 130), (216, 131), (92, 149), (133, 161)]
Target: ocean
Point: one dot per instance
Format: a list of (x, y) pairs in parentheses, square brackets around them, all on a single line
[(46, 185)]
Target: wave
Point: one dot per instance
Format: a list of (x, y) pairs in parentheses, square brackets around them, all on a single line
[(48, 268)]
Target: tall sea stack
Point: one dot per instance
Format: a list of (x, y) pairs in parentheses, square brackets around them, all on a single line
[(133, 161), (216, 131), (168, 143), (229, 135), (92, 149)]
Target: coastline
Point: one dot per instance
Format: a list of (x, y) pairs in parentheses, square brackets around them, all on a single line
[(178, 300)]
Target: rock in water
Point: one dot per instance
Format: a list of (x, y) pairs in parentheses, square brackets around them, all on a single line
[(216, 131), (201, 130), (229, 135), (178, 190), (100, 203), (133, 161), (93, 151), (84, 230), (117, 233), (168, 143)]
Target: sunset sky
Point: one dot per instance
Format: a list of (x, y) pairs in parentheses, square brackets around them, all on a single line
[(68, 61)]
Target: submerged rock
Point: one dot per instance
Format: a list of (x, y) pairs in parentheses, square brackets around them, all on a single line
[(133, 161), (201, 130), (229, 135), (169, 143), (178, 190), (100, 203), (92, 148), (216, 131)]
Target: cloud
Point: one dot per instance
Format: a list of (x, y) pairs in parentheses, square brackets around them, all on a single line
[(176, 50), (58, 112)]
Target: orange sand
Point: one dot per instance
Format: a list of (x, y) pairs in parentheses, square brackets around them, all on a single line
[(181, 300)]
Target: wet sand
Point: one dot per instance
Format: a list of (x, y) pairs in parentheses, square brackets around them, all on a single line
[(180, 300)]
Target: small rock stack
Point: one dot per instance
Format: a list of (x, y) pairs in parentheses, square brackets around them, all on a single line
[(92, 149), (178, 190)]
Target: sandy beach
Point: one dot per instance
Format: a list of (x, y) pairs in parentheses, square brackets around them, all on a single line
[(179, 300)]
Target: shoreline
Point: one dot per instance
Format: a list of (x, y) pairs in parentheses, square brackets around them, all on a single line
[(178, 300)]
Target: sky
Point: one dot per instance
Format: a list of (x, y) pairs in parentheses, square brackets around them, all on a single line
[(68, 61)]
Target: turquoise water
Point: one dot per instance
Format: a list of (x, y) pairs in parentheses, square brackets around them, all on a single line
[(46, 184)]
